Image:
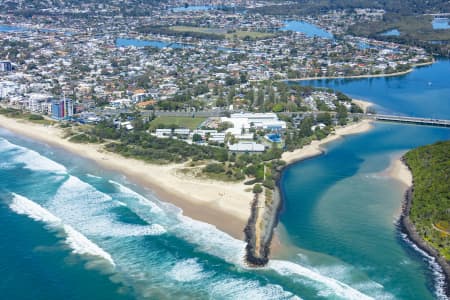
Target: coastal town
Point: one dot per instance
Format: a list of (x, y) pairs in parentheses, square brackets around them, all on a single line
[(181, 59), (206, 104), (186, 61)]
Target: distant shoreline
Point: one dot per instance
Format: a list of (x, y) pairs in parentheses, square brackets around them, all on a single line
[(366, 76)]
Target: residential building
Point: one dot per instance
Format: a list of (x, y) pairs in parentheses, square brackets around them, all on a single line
[(62, 109), (5, 66)]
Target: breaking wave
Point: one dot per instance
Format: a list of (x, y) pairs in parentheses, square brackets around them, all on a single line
[(82, 205), (329, 286), (32, 160), (79, 243)]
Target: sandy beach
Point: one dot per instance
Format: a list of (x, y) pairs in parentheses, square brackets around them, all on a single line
[(364, 105), (225, 205), (315, 148), (400, 172)]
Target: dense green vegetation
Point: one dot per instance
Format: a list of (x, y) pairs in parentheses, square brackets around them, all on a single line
[(408, 16), (168, 31), (221, 165), (192, 30), (18, 114), (143, 146), (414, 30), (430, 211), (314, 7), (84, 139), (246, 35)]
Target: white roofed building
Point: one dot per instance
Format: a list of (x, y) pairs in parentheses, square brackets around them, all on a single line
[(247, 147), (242, 122)]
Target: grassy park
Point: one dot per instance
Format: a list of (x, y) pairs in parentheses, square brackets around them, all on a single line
[(178, 122), (221, 32)]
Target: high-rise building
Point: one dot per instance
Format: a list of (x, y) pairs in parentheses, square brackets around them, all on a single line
[(62, 109), (5, 66)]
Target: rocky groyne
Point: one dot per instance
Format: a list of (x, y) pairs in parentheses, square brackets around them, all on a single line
[(260, 227)]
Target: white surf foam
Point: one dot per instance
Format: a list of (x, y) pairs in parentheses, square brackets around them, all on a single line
[(217, 243), (188, 270), (213, 241), (125, 230), (332, 286), (24, 206), (74, 239), (346, 274), (210, 240), (121, 203), (84, 207), (438, 273), (31, 159), (142, 200), (93, 176), (82, 245), (232, 288), (5, 145)]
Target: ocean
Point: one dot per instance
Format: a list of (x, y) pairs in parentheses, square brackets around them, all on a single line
[(72, 230)]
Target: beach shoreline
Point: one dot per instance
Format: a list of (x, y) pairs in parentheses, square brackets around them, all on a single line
[(400, 172), (222, 204), (363, 104), (315, 148), (306, 152), (262, 239)]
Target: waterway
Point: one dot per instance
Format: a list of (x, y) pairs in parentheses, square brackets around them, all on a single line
[(441, 23), (72, 230), (310, 30), (341, 208), (392, 32), (425, 92), (193, 8), (7, 28), (123, 42)]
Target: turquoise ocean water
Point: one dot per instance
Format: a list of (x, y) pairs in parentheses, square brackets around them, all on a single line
[(74, 231)]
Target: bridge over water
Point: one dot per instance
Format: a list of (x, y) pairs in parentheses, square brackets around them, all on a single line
[(412, 120)]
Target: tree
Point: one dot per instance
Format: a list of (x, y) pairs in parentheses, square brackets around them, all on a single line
[(260, 97), (250, 96), (279, 107), (341, 114), (271, 95), (243, 77), (356, 109), (324, 118), (305, 127), (196, 137), (214, 168), (257, 189), (221, 101)]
